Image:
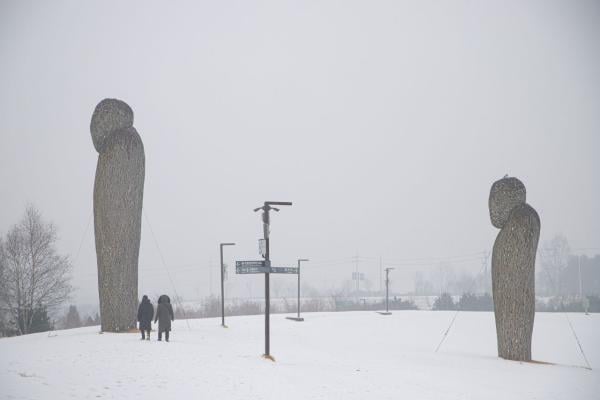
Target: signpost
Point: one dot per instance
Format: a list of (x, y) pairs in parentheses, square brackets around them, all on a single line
[(284, 270), (259, 267), (252, 267)]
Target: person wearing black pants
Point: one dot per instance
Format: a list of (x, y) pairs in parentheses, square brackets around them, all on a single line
[(144, 316), (166, 336), (164, 316)]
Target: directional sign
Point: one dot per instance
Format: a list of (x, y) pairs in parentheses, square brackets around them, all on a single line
[(251, 270), (284, 270), (252, 267), (261, 267), (253, 263)]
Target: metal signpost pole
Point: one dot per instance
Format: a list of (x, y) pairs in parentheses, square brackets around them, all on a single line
[(267, 285), (223, 283), (266, 222)]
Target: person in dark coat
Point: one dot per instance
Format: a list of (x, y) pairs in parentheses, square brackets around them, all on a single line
[(164, 316), (144, 317)]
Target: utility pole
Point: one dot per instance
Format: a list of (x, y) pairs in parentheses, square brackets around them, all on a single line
[(210, 283), (584, 302), (298, 317), (266, 223), (485, 277), (223, 283), (441, 281), (580, 283), (387, 292), (387, 289), (357, 276), (380, 275)]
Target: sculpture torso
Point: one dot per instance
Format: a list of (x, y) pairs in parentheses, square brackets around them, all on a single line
[(513, 282)]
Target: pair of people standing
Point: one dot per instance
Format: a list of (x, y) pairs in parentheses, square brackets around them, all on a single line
[(164, 316)]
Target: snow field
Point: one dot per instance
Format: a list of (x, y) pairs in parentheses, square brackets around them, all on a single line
[(351, 355)]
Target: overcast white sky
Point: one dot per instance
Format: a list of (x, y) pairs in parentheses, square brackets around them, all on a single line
[(385, 122)]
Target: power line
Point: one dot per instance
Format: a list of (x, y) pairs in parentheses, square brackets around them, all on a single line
[(434, 258), (166, 268), (570, 325), (83, 238), (456, 313), (578, 342)]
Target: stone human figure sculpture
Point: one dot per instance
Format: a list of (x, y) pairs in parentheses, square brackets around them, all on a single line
[(118, 195), (513, 267)]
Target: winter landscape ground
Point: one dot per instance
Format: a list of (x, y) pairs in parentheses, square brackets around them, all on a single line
[(352, 355)]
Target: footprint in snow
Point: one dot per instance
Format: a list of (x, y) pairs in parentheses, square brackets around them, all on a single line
[(26, 375)]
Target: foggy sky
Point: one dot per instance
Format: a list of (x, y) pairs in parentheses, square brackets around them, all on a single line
[(385, 122)]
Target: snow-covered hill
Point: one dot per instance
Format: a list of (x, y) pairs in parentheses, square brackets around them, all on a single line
[(354, 355)]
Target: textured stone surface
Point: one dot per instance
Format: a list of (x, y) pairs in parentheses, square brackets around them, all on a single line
[(118, 196), (504, 196), (513, 268), (109, 116)]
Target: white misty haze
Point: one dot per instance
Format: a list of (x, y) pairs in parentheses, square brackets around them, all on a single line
[(384, 122)]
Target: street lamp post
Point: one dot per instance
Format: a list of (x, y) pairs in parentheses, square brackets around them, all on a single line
[(297, 318), (387, 292), (223, 284)]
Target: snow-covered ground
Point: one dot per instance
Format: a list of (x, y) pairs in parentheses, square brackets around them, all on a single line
[(353, 355)]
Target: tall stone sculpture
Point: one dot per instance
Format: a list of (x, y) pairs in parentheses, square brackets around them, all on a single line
[(118, 195), (513, 267)]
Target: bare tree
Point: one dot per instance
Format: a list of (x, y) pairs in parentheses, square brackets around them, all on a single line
[(34, 277), (3, 310)]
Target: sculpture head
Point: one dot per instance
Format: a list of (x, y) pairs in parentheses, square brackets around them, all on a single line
[(506, 194), (110, 115)]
